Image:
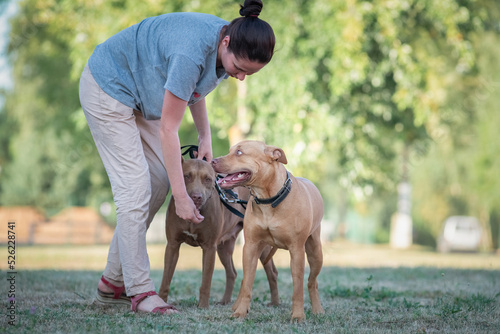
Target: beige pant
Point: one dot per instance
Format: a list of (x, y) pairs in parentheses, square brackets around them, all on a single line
[(130, 150)]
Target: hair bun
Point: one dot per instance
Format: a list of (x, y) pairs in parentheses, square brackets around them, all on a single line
[(251, 8)]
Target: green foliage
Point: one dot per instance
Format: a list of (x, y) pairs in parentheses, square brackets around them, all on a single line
[(352, 85), (460, 173), (51, 162)]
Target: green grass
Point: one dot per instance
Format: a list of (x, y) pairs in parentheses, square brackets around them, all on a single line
[(356, 300), (338, 253)]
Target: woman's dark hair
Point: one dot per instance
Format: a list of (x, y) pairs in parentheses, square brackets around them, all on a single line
[(250, 37)]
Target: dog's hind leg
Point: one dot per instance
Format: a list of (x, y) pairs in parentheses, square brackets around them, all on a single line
[(272, 275), (315, 258), (170, 260)]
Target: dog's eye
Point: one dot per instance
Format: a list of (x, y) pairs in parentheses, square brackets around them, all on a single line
[(208, 180), (187, 177), (239, 152)]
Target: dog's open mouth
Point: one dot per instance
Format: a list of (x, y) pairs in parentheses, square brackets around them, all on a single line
[(233, 180)]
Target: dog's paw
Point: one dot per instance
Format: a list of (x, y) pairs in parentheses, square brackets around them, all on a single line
[(239, 315), (240, 310), (203, 304), (318, 310), (298, 317), (224, 301), (273, 303)]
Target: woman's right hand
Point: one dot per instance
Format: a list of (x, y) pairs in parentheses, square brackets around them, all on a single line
[(185, 209)]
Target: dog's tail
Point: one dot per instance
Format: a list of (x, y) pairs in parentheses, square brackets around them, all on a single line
[(270, 255)]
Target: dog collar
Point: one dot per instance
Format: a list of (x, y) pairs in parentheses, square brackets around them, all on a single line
[(223, 194), (280, 196)]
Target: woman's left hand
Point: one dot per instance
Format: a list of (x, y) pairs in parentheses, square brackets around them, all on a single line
[(205, 149), (200, 118)]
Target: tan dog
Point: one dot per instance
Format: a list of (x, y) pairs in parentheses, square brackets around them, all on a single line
[(216, 233), (285, 212)]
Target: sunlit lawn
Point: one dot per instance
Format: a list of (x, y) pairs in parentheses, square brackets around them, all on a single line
[(368, 289), (341, 254)]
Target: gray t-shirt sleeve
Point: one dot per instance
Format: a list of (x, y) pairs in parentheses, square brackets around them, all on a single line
[(176, 51), (182, 76)]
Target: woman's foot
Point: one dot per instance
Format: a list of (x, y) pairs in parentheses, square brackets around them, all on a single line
[(111, 292), (152, 303)]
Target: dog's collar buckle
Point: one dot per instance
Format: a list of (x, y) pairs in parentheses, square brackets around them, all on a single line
[(280, 196), (223, 194)]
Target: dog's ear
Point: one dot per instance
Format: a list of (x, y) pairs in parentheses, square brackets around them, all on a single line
[(182, 159), (276, 154)]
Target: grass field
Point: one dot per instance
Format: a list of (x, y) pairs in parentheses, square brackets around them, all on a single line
[(364, 289)]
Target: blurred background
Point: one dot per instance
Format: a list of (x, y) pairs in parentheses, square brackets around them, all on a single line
[(390, 106)]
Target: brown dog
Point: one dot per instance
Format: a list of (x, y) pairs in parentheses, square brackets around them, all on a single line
[(285, 212), (216, 233)]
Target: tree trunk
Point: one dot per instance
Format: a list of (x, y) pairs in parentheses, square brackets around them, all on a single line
[(401, 224), (241, 128)]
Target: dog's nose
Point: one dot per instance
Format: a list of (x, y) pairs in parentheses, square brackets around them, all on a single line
[(197, 199)]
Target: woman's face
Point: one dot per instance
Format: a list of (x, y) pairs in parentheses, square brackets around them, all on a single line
[(237, 68)]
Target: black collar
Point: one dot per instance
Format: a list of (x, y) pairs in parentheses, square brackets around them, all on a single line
[(280, 196)]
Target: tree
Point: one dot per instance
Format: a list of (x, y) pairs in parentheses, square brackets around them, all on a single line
[(460, 175), (351, 86)]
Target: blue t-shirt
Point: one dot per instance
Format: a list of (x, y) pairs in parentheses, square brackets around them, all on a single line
[(176, 51)]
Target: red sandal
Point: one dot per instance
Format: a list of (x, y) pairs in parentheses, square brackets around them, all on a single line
[(117, 297), (167, 309)]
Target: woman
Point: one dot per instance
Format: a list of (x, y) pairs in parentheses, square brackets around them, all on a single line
[(134, 91)]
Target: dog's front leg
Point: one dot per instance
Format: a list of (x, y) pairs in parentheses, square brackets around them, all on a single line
[(225, 251), (251, 252), (272, 276), (170, 262), (297, 264), (208, 270)]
